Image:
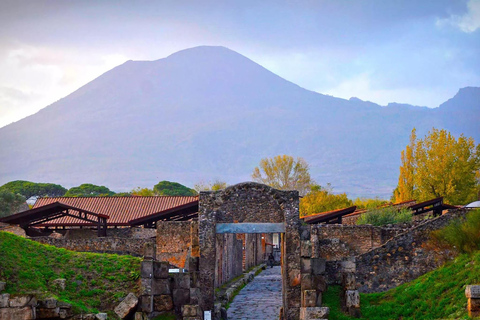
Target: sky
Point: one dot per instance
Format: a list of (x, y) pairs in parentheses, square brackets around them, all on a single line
[(415, 52)]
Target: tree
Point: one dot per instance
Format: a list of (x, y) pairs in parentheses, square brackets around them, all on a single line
[(10, 202), (284, 173), (31, 189), (321, 199), (167, 188), (210, 186), (406, 183), (439, 166), (89, 190), (142, 192)]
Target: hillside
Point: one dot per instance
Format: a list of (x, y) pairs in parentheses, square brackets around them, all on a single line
[(95, 282), (439, 294), (209, 112)]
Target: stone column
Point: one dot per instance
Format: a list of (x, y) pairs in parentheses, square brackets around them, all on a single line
[(473, 295), (350, 297)]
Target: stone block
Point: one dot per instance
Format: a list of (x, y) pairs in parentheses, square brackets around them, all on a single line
[(25, 313), (190, 310), (4, 299), (318, 266), (306, 249), (305, 265), (101, 316), (309, 298), (161, 286), (146, 269), (472, 291), (193, 263), (307, 313), (148, 250), (48, 313), (319, 283), (307, 282), (160, 270), (64, 313), (195, 295), (348, 281), (63, 305), (181, 297), (127, 306), (182, 281), (473, 304), (352, 299), (20, 301), (348, 265), (162, 303), (2, 285), (49, 303), (145, 303)]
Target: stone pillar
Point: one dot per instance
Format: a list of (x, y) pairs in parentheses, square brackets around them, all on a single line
[(291, 258), (206, 241), (473, 295), (350, 297)]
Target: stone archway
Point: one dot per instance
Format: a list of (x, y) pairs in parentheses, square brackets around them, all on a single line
[(251, 203)]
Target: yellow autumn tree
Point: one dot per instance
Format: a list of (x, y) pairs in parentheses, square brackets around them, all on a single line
[(406, 184), (284, 173), (441, 166), (321, 199)]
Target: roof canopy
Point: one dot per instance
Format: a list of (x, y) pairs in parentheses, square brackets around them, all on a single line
[(53, 211)]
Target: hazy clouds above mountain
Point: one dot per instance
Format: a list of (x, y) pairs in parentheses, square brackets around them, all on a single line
[(417, 52)]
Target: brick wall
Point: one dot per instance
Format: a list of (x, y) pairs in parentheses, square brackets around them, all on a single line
[(177, 241)]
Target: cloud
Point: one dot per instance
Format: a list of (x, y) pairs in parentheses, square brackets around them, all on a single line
[(469, 22)]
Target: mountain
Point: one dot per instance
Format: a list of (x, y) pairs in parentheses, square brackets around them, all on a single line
[(209, 112)]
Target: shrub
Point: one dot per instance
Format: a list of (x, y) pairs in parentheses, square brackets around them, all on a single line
[(369, 203), (383, 216), (462, 234)]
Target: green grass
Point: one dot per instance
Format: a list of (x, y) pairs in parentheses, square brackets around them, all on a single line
[(95, 282), (439, 294)]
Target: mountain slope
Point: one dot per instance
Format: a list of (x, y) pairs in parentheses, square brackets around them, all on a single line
[(209, 112)]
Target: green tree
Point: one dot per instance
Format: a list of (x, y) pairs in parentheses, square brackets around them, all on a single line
[(143, 192), (10, 202), (369, 203), (440, 166), (89, 190), (31, 189), (321, 199), (167, 188), (284, 173), (210, 186)]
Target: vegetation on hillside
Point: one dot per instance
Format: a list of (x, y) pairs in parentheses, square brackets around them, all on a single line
[(462, 235), (9, 202), (369, 203), (167, 188), (214, 185), (384, 216), (439, 294), (32, 189), (95, 282), (439, 166), (89, 190)]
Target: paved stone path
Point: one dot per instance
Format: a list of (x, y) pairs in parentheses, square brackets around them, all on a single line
[(261, 299)]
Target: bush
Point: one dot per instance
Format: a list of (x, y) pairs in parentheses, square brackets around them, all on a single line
[(462, 234), (383, 216), (369, 203)]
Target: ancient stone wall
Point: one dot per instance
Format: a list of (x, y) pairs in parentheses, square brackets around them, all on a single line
[(133, 247), (337, 241), (177, 241), (229, 258), (401, 259)]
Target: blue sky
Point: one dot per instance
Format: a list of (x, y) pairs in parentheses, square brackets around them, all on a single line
[(416, 52)]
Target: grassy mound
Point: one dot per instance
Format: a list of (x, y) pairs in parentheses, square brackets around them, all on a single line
[(439, 294), (95, 282)]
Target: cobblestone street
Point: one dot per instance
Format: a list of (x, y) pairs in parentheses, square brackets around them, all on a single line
[(261, 299)]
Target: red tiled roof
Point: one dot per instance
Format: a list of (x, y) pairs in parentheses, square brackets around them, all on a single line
[(119, 209)]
